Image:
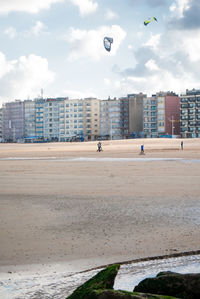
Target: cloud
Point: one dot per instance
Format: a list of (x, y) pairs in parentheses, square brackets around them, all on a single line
[(185, 15), (23, 77), (89, 43), (85, 6), (35, 30), (5, 66), (25, 5), (153, 3), (110, 15), (173, 64), (38, 28), (10, 32), (179, 7), (154, 41), (107, 81), (151, 65), (76, 94)]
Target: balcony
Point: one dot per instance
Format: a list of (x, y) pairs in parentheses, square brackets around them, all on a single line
[(184, 112), (183, 130), (191, 111), (184, 100), (191, 129), (192, 117), (184, 105)]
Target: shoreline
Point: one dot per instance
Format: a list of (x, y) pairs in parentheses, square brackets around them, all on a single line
[(150, 258), (51, 283), (5, 271)]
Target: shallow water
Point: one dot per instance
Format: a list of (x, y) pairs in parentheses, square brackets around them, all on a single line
[(58, 285), (88, 159)]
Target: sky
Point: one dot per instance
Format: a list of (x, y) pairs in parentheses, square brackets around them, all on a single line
[(57, 46)]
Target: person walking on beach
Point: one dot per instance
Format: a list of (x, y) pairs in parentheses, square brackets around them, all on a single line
[(99, 148), (182, 145), (142, 150)]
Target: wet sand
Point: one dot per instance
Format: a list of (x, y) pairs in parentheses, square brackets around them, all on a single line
[(55, 209)]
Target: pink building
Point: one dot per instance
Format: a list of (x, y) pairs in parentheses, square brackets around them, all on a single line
[(168, 113), (172, 115)]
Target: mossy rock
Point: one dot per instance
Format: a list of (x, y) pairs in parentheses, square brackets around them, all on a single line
[(112, 294), (103, 280), (186, 286)]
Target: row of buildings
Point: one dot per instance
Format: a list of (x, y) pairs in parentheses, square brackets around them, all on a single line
[(136, 115)]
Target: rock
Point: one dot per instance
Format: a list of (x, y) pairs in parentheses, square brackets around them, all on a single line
[(101, 287), (103, 280), (186, 286)]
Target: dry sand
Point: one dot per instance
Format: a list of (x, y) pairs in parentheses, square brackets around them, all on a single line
[(91, 213)]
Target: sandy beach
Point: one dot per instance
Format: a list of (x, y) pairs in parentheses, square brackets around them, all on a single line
[(65, 202)]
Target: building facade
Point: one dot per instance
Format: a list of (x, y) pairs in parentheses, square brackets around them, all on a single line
[(111, 119), (136, 114), (29, 121), (161, 115), (150, 117), (13, 121), (190, 114), (1, 124)]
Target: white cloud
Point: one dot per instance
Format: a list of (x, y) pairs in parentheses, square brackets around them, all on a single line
[(151, 65), (24, 77), (168, 61), (35, 6), (179, 6), (38, 28), (10, 32), (85, 6), (154, 41), (77, 94), (191, 44), (107, 81), (5, 66), (110, 15), (90, 43)]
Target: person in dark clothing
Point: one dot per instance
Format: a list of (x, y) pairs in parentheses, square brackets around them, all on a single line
[(99, 147), (182, 145)]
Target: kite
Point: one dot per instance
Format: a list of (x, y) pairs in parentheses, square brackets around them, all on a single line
[(146, 22), (107, 41)]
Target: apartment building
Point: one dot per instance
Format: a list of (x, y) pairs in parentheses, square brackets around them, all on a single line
[(29, 120), (190, 114), (136, 114), (91, 118), (111, 119), (124, 101), (1, 123), (51, 119), (171, 112), (13, 121), (161, 115), (150, 117), (39, 119)]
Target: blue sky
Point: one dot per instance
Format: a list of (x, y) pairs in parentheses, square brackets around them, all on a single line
[(57, 45)]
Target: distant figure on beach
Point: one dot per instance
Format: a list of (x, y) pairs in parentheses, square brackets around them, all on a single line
[(142, 150), (99, 147), (182, 145)]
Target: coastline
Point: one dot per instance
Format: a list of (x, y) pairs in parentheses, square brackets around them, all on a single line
[(56, 282)]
